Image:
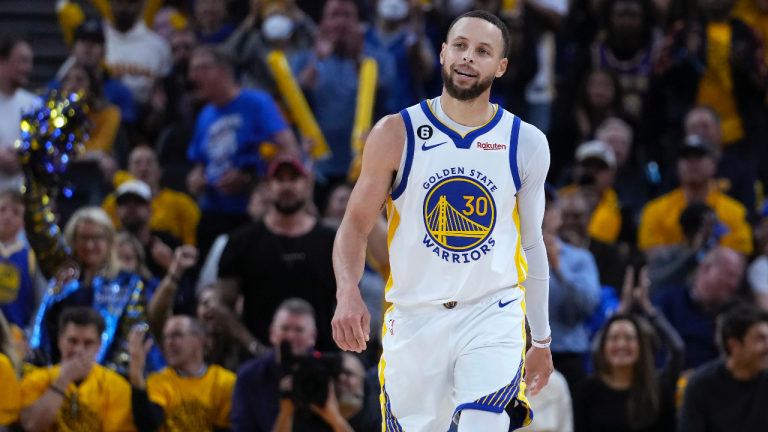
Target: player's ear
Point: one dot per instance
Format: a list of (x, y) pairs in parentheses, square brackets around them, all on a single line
[(502, 67), (442, 54)]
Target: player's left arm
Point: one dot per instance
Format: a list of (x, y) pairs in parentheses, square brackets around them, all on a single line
[(533, 163)]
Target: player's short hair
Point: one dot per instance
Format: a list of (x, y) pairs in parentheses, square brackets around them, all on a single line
[(736, 322), (296, 306), (491, 18), (13, 194), (82, 316), (8, 43)]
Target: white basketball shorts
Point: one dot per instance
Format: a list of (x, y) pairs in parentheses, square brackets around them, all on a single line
[(441, 359)]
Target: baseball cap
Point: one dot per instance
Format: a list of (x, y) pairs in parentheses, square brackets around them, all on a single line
[(596, 150), (134, 188), (90, 30), (694, 144), (286, 160)]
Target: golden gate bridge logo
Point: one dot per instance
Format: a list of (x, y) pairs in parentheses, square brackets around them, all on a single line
[(459, 213)]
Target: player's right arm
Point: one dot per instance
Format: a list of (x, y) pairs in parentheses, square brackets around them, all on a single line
[(381, 159)]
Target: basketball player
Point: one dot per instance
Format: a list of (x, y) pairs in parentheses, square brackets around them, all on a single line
[(463, 184)]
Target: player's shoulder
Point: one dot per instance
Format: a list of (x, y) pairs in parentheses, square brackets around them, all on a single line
[(387, 139), (530, 136)]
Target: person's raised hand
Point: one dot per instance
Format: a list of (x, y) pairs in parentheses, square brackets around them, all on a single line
[(76, 368), (351, 323), (232, 181), (138, 348), (330, 412), (196, 181), (161, 253), (184, 258), (627, 300), (538, 368)]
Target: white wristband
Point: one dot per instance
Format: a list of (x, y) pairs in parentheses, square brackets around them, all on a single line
[(541, 345)]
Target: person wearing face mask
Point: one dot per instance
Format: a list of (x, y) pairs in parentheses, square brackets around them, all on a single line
[(400, 30), (626, 392), (288, 29)]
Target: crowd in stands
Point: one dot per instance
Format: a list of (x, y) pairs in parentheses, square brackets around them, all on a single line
[(194, 255)]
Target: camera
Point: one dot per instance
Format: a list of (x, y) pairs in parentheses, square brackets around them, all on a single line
[(311, 375)]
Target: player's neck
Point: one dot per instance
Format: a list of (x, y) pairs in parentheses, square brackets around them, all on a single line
[(471, 113)]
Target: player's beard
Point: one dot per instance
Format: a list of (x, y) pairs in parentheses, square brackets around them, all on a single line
[(463, 94)]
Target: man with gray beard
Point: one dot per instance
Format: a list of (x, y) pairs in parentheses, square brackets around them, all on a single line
[(286, 254)]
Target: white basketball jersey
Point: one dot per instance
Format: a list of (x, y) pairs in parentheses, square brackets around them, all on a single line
[(453, 221)]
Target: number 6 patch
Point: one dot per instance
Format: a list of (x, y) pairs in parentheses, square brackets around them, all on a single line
[(424, 132)]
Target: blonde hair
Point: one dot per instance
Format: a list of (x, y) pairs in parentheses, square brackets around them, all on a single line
[(138, 249), (8, 345), (111, 266)]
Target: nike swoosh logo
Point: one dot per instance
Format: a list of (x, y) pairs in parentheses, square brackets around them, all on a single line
[(425, 148), (501, 305)]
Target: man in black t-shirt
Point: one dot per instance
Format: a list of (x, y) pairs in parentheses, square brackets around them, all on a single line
[(287, 254), (134, 210), (732, 394)]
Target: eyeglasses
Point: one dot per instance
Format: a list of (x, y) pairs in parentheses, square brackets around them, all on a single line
[(96, 238)]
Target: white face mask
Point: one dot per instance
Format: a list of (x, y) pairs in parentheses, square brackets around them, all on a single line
[(458, 7), (393, 10), (277, 27)]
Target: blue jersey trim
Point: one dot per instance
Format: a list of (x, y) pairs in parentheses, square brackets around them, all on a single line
[(462, 142), (513, 152), (410, 144)]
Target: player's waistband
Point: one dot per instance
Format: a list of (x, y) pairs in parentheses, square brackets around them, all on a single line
[(489, 297)]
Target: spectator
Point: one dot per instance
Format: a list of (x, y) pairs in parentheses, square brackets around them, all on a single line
[(173, 212), (88, 49), (599, 98), (78, 393), (105, 118), (731, 394), (629, 49), (18, 299), (225, 147), (626, 392), (135, 53), (630, 184), (134, 210), (400, 31), (174, 293), (229, 344), (574, 288), (90, 276), (257, 391), (288, 29), (211, 18), (189, 394), (692, 309), (328, 74), (351, 405), (285, 255), (734, 176), (15, 69), (10, 368), (716, 60), (594, 176), (130, 252), (758, 270), (660, 226), (575, 232), (676, 264)]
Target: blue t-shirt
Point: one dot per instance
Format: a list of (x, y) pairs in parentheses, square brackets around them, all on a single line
[(334, 98), (116, 93), (17, 268), (229, 137)]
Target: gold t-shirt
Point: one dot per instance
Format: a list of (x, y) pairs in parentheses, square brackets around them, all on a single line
[(193, 404), (10, 393), (101, 403)]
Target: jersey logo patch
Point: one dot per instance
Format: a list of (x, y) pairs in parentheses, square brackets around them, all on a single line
[(491, 146), (425, 147), (459, 213)]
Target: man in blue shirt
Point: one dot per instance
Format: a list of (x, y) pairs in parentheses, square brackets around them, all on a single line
[(574, 295), (692, 310), (88, 49), (226, 143), (328, 74)]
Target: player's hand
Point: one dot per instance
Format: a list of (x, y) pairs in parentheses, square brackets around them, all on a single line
[(352, 322), (538, 368)]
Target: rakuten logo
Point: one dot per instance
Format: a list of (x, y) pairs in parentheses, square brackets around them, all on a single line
[(489, 146)]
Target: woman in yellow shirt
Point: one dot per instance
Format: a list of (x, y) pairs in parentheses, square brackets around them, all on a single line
[(10, 393)]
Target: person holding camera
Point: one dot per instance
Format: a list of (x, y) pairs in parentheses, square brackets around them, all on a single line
[(282, 391)]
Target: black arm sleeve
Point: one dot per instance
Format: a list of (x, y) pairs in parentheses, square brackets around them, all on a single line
[(147, 416), (676, 347)]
